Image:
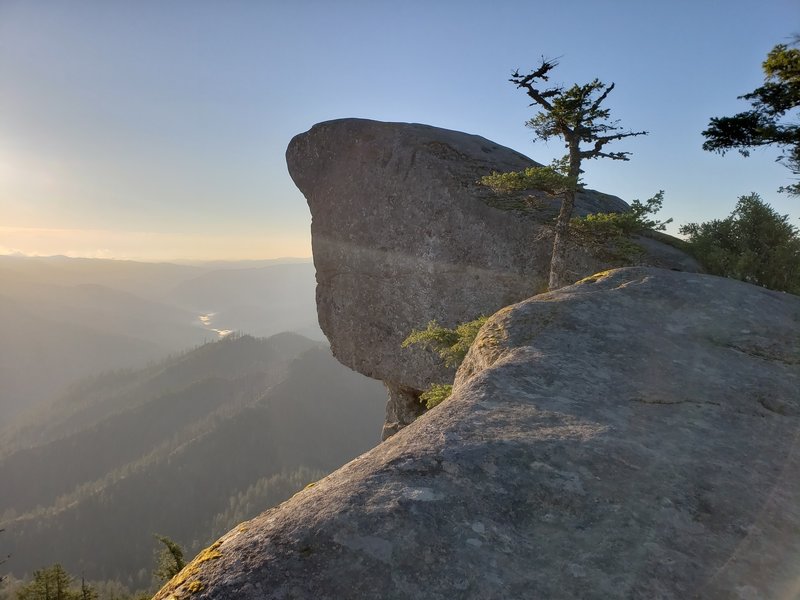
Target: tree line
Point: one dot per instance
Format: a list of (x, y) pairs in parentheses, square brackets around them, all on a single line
[(55, 583)]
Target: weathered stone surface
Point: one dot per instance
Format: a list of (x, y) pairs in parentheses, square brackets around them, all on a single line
[(402, 234), (402, 408), (631, 436)]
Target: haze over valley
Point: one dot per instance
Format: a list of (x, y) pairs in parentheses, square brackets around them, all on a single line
[(68, 318)]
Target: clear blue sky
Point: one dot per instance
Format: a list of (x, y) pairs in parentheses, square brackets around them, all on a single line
[(157, 129)]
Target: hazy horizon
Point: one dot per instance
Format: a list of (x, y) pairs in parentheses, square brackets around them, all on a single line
[(147, 246), (5, 253)]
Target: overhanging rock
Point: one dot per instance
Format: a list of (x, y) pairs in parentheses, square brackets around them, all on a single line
[(403, 233)]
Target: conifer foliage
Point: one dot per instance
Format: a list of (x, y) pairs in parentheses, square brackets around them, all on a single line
[(577, 116), (169, 560), (54, 583), (773, 116), (754, 244)]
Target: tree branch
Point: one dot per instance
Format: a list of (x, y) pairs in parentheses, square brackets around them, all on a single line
[(601, 141), (611, 155), (525, 82), (596, 104)]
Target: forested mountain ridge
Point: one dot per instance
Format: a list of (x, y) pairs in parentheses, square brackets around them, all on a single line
[(97, 397), (42, 354), (185, 448), (68, 318)]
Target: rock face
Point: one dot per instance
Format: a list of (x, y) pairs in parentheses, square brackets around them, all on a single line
[(403, 233), (631, 436)]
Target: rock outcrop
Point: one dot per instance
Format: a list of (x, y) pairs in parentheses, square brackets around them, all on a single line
[(403, 234), (631, 436)]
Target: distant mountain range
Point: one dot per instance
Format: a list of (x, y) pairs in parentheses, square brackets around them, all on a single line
[(67, 318), (186, 447)]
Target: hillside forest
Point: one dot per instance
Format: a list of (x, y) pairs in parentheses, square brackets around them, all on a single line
[(183, 444)]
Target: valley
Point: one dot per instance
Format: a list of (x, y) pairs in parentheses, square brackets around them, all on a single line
[(129, 415)]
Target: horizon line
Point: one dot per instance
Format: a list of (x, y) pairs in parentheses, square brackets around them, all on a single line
[(21, 255)]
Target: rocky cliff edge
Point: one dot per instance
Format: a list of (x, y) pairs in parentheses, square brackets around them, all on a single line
[(631, 436)]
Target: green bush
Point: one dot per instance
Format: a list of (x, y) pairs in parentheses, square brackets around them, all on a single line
[(546, 179), (436, 394), (754, 244), (632, 221), (613, 231), (450, 344)]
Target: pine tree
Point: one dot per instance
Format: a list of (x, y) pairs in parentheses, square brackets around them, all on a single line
[(768, 121), (577, 116), (170, 559), (3, 561), (754, 244), (52, 583), (87, 591)]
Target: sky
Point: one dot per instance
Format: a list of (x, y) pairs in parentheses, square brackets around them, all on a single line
[(156, 129)]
